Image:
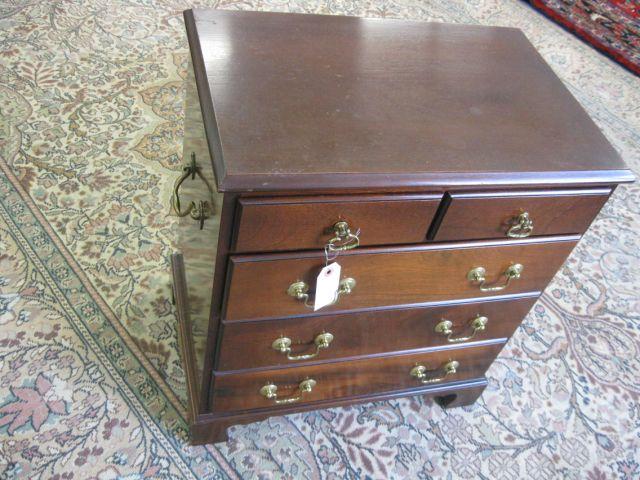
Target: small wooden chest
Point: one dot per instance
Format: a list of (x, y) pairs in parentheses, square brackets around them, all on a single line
[(445, 168)]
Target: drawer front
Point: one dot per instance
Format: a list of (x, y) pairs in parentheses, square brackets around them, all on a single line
[(476, 216), (366, 333), (298, 223), (242, 391), (260, 286)]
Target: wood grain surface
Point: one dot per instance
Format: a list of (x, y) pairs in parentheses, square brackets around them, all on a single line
[(299, 223), (365, 333), (385, 277), (235, 392), (490, 215)]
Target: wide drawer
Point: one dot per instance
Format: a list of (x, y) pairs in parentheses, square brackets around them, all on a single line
[(260, 286), (246, 391), (475, 216), (366, 333), (298, 223)]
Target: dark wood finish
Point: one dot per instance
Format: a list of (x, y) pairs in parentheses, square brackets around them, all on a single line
[(212, 427), (185, 338), (312, 101), (383, 113), (385, 277), (490, 215), (299, 223), (240, 391), (365, 333)]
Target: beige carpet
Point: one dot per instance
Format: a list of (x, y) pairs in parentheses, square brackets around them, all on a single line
[(90, 379)]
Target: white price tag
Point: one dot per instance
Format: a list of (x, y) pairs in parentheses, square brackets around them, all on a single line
[(327, 285)]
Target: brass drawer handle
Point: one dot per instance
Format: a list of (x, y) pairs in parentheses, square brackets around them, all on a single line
[(283, 345), (198, 211), (478, 324), (521, 226), (270, 392), (478, 275), (344, 239), (422, 373), (300, 291)]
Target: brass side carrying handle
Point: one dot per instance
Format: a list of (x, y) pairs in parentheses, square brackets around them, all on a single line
[(422, 373), (343, 238), (283, 345), (521, 226), (300, 291), (270, 392), (445, 327), (198, 211), (478, 275)]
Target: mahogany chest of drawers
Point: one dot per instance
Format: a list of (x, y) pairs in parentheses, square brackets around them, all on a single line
[(444, 168)]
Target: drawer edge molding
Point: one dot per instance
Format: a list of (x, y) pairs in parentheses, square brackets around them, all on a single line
[(267, 257), (445, 303), (531, 193), (370, 356)]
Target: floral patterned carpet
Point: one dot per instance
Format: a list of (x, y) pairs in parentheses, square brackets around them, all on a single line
[(90, 379), (612, 26)]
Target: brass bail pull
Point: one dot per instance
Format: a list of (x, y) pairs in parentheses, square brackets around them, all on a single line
[(343, 238), (283, 345), (478, 324), (521, 226), (300, 291), (270, 392), (424, 375), (199, 211), (478, 275)]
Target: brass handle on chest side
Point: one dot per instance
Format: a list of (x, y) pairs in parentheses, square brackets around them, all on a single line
[(478, 324), (283, 345), (343, 238), (199, 211), (300, 291), (270, 392), (421, 372), (478, 275), (521, 226)]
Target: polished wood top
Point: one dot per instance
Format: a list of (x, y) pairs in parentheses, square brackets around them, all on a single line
[(323, 102)]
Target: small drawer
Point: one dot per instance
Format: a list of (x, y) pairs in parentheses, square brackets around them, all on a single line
[(282, 285), (476, 216), (312, 383), (274, 343), (300, 223)]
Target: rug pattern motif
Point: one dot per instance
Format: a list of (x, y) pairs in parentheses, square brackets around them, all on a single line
[(612, 26)]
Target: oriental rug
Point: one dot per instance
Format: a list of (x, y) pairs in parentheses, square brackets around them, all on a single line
[(91, 385)]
